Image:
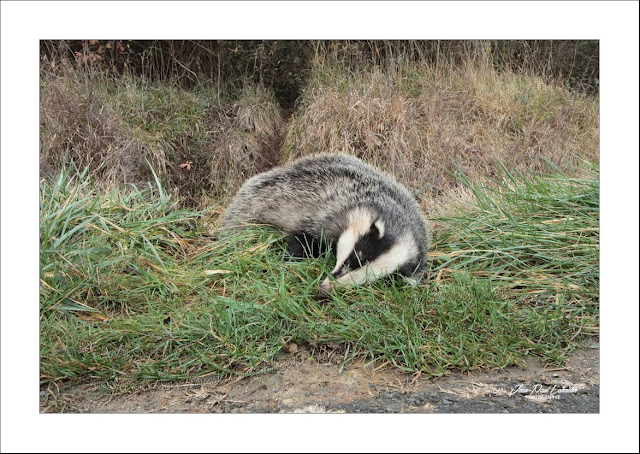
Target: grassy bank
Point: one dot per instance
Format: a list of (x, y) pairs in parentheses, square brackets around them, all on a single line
[(132, 287), (200, 147), (136, 283), (416, 119), (408, 114)]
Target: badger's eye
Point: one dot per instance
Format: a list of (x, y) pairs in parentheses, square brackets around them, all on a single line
[(354, 261), (344, 269)]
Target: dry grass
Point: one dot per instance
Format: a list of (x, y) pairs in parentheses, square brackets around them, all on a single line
[(122, 127), (413, 116), (248, 142), (77, 125), (258, 111), (415, 119)]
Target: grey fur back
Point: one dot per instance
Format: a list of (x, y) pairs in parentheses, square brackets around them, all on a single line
[(314, 193)]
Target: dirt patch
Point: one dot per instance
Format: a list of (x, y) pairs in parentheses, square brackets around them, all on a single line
[(302, 384)]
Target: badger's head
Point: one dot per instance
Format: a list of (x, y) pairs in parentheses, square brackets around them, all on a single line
[(368, 249)]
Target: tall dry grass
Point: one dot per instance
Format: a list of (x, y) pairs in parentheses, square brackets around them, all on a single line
[(411, 109), (248, 141), (123, 127), (415, 119), (78, 125)]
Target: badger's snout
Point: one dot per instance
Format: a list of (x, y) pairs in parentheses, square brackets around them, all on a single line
[(340, 271), (338, 275), (325, 288)]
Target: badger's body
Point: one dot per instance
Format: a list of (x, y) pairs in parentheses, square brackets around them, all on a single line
[(372, 222)]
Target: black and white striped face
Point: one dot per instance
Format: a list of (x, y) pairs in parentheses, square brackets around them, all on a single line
[(365, 252)]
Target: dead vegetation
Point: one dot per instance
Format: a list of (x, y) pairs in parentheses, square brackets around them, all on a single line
[(411, 109), (416, 120), (122, 128), (248, 141), (77, 126)]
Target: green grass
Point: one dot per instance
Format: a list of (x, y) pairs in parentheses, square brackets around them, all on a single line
[(133, 287), (161, 112), (537, 239)]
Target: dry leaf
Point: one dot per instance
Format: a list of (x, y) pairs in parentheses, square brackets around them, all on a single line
[(93, 318), (212, 272)]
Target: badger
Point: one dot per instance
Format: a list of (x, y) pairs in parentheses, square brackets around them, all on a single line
[(370, 221)]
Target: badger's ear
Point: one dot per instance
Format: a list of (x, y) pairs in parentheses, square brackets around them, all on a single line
[(377, 228)]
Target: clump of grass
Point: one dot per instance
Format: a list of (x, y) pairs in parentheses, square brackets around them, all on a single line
[(176, 121), (200, 146), (534, 237), (158, 112), (102, 256), (78, 125), (258, 110), (132, 287), (412, 117), (248, 141)]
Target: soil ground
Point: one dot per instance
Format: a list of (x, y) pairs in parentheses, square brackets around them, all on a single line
[(305, 384)]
